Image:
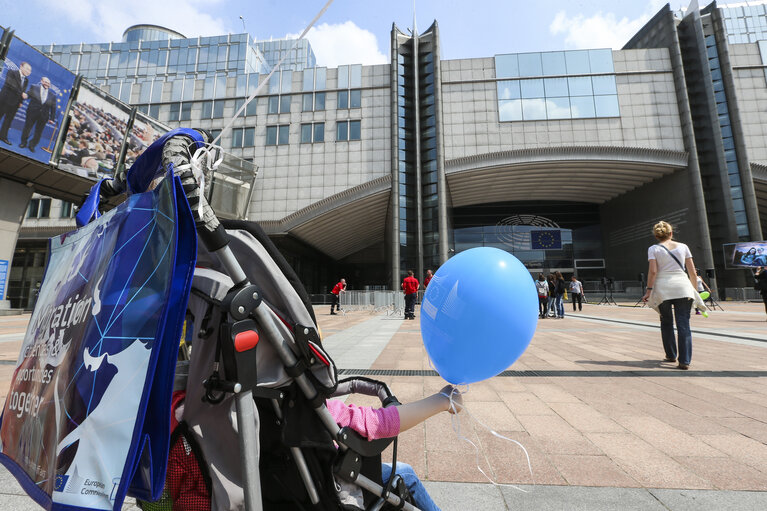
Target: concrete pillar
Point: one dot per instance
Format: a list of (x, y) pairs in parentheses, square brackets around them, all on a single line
[(14, 198)]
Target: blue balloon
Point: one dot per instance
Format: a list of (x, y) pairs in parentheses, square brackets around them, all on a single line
[(478, 314)]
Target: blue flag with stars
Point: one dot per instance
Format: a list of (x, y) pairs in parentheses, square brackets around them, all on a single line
[(549, 239)]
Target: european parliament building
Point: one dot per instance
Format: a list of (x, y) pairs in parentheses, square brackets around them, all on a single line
[(563, 158)]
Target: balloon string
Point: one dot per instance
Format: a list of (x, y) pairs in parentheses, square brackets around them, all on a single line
[(456, 423), (269, 76)]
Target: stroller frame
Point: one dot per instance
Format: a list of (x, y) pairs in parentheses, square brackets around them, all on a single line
[(244, 305)]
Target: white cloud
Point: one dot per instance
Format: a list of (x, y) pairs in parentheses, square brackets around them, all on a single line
[(344, 43), (601, 30), (108, 19)]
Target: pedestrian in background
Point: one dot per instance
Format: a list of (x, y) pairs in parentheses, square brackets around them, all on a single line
[(543, 295), (671, 291), (427, 279), (410, 287), (576, 290), (760, 283), (335, 296), (702, 286), (551, 306), (560, 294)]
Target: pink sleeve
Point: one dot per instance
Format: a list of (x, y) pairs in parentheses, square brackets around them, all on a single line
[(372, 423)]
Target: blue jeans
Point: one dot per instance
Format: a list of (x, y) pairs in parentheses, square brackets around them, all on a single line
[(681, 312), (420, 495), (560, 306)]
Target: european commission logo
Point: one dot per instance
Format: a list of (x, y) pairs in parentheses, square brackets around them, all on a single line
[(543, 240), (60, 483)]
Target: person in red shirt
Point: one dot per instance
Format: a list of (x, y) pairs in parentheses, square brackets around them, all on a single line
[(335, 295), (410, 286), (427, 279)]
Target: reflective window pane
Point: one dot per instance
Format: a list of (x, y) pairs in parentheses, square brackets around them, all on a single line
[(207, 109), (271, 135), (508, 89), (510, 110), (607, 106), (251, 107), (284, 104), (237, 137), (319, 80), (319, 132), (307, 102), (220, 86), (558, 108), (582, 107), (532, 88), (530, 64), (308, 83), (554, 63), (577, 62), (273, 105), (506, 66), (343, 99), (319, 101), (287, 81), (354, 130), (604, 85), (342, 131), (249, 137), (601, 61), (306, 133), (355, 99), (534, 109), (355, 75), (579, 86), (274, 84), (283, 135), (555, 87), (343, 77), (218, 108)]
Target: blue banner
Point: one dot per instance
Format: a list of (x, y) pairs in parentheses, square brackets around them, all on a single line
[(87, 414), (543, 240), (3, 277), (34, 93)]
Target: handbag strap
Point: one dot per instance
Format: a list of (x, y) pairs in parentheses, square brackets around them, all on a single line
[(673, 257)]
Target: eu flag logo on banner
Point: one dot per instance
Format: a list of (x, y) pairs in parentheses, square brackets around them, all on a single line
[(542, 240), (60, 483)]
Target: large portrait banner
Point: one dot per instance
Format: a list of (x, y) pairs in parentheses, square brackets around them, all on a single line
[(34, 92)]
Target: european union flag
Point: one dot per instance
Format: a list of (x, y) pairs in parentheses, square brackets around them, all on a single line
[(60, 483), (542, 240)]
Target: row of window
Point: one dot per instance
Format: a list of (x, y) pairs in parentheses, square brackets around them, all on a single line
[(41, 208), (572, 62), (310, 133)]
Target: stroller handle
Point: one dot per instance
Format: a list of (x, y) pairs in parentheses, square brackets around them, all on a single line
[(366, 387)]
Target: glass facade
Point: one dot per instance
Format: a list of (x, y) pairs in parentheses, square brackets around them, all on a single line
[(745, 23), (516, 240), (575, 84), (725, 125)]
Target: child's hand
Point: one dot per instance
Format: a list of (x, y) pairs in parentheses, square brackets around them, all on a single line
[(457, 399)]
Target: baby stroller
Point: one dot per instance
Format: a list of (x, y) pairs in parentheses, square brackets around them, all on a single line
[(253, 430)]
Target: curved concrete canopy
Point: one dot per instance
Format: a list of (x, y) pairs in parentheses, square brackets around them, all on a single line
[(585, 173), (759, 173), (43, 178), (341, 224)]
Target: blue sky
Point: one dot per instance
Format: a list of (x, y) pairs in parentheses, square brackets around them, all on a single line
[(351, 31)]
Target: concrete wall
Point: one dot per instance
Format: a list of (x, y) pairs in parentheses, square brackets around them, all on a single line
[(751, 90), (14, 198), (649, 116), (294, 176)]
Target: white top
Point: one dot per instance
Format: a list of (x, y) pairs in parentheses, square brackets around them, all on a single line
[(543, 287), (665, 262), (701, 288), (576, 286)]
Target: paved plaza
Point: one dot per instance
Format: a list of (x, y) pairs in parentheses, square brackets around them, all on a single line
[(606, 423)]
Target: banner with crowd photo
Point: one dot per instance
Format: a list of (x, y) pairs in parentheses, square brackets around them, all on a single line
[(34, 92), (143, 133), (98, 125), (86, 419)]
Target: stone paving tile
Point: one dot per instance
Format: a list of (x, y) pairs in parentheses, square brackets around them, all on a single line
[(556, 436), (666, 438), (725, 473), (647, 465), (741, 448), (749, 428), (592, 471), (508, 462), (526, 403), (584, 418)]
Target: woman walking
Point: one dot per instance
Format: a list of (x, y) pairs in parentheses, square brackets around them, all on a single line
[(671, 285)]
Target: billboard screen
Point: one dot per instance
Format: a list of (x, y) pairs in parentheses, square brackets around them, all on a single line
[(145, 130), (749, 254), (97, 127), (34, 91)]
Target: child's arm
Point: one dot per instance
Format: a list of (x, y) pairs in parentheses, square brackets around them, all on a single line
[(412, 414)]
